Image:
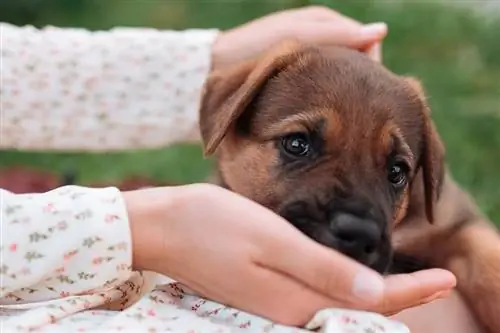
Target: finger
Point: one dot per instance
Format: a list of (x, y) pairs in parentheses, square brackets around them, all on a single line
[(319, 13), (408, 290), (285, 300), (326, 271), (375, 52), (343, 34), (268, 294)]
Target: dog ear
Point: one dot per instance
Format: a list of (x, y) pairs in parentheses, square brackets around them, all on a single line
[(228, 92), (431, 161)]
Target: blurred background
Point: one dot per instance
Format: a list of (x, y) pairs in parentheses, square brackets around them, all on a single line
[(453, 46)]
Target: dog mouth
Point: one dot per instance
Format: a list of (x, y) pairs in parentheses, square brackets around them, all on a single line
[(383, 260), (378, 258), (359, 239)]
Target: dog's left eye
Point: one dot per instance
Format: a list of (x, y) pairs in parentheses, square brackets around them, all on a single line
[(296, 144), (398, 174)]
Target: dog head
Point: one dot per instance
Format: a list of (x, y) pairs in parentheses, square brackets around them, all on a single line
[(330, 140)]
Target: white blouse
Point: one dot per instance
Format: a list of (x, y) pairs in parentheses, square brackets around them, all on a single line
[(65, 255)]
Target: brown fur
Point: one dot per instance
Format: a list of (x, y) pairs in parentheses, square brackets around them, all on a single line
[(362, 113)]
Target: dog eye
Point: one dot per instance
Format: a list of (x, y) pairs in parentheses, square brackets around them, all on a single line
[(398, 174), (296, 144)]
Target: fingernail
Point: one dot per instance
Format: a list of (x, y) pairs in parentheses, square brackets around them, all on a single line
[(374, 29), (368, 286)]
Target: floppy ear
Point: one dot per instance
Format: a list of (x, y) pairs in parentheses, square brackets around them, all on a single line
[(227, 93), (431, 160)]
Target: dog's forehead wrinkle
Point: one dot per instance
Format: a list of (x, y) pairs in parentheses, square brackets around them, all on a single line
[(337, 84)]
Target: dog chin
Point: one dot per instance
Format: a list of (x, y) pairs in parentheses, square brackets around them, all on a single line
[(383, 264), (381, 261)]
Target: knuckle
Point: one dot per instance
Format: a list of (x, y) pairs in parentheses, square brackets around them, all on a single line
[(327, 282), (196, 193)]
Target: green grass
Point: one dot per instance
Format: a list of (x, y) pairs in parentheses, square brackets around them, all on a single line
[(456, 54)]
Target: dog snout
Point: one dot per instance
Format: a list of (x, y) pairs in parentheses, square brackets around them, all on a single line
[(357, 237)]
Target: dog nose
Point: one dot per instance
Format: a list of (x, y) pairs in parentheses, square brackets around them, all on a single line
[(357, 237)]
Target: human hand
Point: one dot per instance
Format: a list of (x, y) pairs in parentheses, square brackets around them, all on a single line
[(314, 24), (234, 251)]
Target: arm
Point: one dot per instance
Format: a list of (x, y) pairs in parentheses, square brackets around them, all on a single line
[(127, 88), (64, 242)]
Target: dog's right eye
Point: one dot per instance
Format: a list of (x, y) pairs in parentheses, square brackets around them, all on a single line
[(398, 174), (296, 144)]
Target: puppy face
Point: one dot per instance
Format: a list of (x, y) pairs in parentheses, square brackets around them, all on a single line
[(328, 139)]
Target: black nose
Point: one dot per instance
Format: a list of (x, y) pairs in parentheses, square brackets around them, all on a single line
[(357, 237)]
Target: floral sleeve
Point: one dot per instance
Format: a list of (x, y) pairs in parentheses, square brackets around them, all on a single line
[(69, 241), (126, 88)]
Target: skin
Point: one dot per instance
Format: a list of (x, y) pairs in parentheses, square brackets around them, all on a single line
[(260, 100), (160, 217), (314, 24), (168, 223), (450, 314)]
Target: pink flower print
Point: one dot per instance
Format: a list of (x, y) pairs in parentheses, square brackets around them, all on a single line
[(50, 207), (39, 85), (100, 260), (348, 320), (62, 225), (13, 247), (122, 246), (151, 313), (36, 105), (97, 260), (63, 294), (110, 218), (25, 271), (90, 82), (70, 254), (246, 325)]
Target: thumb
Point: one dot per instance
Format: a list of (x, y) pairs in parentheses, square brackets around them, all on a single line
[(355, 36), (408, 290)]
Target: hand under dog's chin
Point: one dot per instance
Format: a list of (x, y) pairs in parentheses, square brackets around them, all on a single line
[(380, 261)]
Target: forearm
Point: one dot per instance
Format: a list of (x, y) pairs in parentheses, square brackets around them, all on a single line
[(64, 242), (72, 89)]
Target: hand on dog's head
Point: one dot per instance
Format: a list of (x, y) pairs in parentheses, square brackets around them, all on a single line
[(332, 141)]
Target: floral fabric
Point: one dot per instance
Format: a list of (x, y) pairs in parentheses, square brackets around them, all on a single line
[(65, 255), (72, 89)]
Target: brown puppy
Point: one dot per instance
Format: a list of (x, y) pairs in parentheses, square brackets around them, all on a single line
[(346, 151)]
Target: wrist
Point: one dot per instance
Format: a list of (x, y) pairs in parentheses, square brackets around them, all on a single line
[(218, 50), (148, 211), (224, 53)]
